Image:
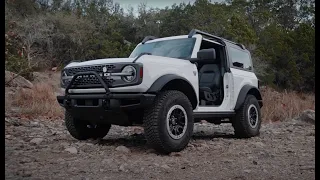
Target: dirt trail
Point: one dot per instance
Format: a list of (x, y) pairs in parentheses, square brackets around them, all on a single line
[(43, 149)]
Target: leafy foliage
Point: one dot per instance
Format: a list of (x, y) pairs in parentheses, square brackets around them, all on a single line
[(279, 33)]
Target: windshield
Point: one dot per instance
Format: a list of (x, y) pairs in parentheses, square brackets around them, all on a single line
[(176, 48)]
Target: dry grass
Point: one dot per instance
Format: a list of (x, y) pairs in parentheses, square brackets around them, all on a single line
[(38, 101), (284, 105)]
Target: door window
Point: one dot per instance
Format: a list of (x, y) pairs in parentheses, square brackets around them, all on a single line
[(240, 59)]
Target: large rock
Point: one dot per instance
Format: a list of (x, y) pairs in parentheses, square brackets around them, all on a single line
[(72, 150), (36, 141), (14, 80), (307, 116), (123, 149)]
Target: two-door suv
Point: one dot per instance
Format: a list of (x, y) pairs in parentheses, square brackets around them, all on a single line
[(165, 85)]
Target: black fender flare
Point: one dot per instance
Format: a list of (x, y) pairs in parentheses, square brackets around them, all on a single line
[(248, 89), (165, 79)]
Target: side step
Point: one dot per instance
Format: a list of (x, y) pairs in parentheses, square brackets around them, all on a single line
[(212, 116)]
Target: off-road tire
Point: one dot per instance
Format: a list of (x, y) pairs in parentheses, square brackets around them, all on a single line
[(155, 122), (240, 122), (79, 129)]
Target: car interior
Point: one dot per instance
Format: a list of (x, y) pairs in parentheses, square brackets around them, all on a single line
[(211, 72)]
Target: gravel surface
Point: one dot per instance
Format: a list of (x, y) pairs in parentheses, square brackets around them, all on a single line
[(43, 149)]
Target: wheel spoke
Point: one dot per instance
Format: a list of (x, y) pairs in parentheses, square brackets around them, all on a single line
[(176, 131), (176, 113), (181, 123), (179, 127), (181, 115), (171, 127)]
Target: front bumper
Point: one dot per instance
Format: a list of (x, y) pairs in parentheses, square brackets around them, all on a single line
[(101, 108), (105, 107), (108, 101)]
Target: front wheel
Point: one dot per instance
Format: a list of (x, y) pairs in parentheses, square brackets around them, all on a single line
[(83, 130), (168, 123), (247, 121)]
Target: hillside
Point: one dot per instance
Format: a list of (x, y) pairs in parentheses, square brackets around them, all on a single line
[(41, 35)]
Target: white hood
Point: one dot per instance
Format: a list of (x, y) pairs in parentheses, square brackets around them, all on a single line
[(145, 59), (100, 61)]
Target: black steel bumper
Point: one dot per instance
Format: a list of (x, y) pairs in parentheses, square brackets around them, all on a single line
[(104, 107), (110, 101)]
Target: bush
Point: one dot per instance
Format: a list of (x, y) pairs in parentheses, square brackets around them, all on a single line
[(15, 60), (38, 101), (280, 106)]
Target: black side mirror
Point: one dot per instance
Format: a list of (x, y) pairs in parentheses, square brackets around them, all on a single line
[(207, 54)]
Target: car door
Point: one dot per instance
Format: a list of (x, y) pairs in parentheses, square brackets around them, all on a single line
[(241, 69)]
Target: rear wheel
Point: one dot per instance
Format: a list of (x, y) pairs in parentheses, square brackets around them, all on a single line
[(83, 130), (168, 123), (247, 121)]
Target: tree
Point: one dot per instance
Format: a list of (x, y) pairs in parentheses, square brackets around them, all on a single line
[(279, 34)]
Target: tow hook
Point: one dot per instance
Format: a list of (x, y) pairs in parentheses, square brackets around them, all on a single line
[(105, 104)]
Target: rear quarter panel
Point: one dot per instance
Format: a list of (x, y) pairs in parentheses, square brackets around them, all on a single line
[(241, 78)]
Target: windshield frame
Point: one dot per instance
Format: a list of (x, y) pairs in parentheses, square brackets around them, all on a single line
[(195, 49)]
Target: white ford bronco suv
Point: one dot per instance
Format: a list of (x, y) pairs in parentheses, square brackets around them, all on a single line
[(166, 85)]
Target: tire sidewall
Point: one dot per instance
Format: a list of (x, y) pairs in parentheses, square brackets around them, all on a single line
[(162, 120)]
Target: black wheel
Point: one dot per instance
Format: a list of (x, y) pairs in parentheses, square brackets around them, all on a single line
[(83, 130), (247, 121), (168, 124)]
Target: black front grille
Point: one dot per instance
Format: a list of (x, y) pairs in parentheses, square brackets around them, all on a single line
[(96, 68), (91, 81)]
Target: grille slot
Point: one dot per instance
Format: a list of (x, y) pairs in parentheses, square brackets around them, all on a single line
[(92, 81)]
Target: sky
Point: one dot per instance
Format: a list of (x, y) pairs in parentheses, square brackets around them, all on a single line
[(153, 3)]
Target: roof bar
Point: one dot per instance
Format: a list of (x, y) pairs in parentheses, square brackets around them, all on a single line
[(196, 31), (148, 38)]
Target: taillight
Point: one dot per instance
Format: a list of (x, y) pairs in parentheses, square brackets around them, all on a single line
[(141, 72)]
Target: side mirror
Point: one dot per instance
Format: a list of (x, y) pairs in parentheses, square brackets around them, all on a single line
[(207, 54)]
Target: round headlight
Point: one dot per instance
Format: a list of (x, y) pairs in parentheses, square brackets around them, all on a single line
[(130, 70)]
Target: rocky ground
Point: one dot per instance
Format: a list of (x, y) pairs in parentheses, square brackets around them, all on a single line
[(43, 149)]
